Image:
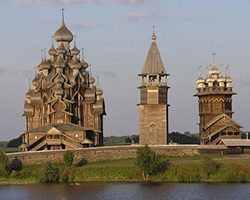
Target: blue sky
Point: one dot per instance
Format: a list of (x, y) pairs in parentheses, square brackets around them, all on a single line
[(116, 35)]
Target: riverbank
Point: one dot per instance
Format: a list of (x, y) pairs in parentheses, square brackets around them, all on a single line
[(212, 168)]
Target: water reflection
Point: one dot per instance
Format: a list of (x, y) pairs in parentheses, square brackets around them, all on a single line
[(125, 191)]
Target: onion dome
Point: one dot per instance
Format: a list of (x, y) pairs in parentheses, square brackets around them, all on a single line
[(34, 81), (99, 90), (84, 63), (52, 51), (63, 33), (27, 95), (228, 79), (91, 79), (214, 70), (75, 51), (221, 79), (44, 65), (209, 79), (76, 65), (200, 80), (154, 37)]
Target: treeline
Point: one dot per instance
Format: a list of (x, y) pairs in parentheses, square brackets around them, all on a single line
[(174, 137)]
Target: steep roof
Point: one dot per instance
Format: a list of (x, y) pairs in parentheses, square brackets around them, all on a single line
[(153, 63), (219, 117)]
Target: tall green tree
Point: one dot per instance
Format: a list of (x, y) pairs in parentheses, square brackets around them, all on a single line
[(68, 158), (148, 161)]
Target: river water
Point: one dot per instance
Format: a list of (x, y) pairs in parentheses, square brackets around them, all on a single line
[(126, 191)]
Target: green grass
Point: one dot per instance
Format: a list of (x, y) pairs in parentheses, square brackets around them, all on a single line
[(181, 169)]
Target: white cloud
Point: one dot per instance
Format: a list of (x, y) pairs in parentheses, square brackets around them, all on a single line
[(77, 24), (69, 2), (140, 15)]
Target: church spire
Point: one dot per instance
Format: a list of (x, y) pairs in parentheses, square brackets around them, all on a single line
[(153, 63)]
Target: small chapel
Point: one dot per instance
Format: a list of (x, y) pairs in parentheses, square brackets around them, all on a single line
[(215, 107), (153, 104), (64, 108)]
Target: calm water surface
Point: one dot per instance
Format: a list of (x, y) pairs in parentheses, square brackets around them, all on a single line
[(125, 191)]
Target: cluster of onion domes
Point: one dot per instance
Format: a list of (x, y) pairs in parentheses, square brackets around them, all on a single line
[(214, 79)]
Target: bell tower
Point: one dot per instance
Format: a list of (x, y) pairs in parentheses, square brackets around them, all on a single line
[(153, 104)]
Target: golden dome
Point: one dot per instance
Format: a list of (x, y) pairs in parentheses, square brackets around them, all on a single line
[(63, 33)]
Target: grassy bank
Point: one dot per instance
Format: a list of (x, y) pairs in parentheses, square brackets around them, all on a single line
[(182, 169)]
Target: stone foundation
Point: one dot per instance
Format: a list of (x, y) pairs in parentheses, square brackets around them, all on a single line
[(112, 153)]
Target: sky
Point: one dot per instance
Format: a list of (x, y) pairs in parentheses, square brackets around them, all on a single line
[(116, 35)]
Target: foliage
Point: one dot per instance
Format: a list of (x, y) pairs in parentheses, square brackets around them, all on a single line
[(186, 138), (128, 140), (116, 140), (50, 174), (15, 142), (208, 166), (4, 165), (68, 158), (3, 144), (189, 173), (148, 161), (16, 165)]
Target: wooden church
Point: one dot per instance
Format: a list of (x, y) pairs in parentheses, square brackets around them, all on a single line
[(215, 107), (63, 109)]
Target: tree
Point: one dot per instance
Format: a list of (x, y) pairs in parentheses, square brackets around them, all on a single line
[(68, 158), (15, 142), (148, 161), (16, 165), (50, 174), (128, 140), (4, 165)]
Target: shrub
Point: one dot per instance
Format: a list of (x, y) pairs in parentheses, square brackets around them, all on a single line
[(68, 158), (16, 165), (208, 166), (50, 174), (148, 161), (188, 173), (4, 165)]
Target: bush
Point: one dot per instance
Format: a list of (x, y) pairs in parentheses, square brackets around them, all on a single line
[(16, 165), (148, 161), (50, 174), (68, 158), (4, 165), (188, 173), (208, 166)]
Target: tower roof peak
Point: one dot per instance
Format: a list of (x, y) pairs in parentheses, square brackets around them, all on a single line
[(63, 33), (153, 63)]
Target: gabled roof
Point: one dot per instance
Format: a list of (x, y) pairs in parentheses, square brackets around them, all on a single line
[(153, 63), (62, 127), (219, 117), (235, 142), (222, 129)]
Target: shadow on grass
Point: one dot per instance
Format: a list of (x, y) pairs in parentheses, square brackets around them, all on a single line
[(81, 163)]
